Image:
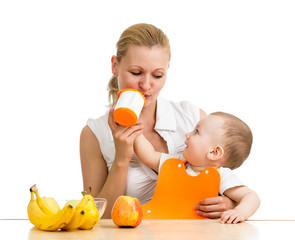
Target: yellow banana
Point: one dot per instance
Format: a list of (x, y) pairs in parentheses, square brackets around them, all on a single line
[(64, 217), (48, 205), (76, 220), (48, 222), (79, 213)]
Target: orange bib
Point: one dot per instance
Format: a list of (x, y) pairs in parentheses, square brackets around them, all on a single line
[(177, 193)]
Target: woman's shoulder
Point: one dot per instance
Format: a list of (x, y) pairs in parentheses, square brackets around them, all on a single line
[(183, 105), (182, 108), (98, 120), (99, 126)]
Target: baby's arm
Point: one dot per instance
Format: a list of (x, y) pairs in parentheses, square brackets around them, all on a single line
[(146, 152), (248, 202)]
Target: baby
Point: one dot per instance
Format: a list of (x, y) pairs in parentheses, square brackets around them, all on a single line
[(219, 140)]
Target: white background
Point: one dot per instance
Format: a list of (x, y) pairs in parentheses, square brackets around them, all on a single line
[(233, 56)]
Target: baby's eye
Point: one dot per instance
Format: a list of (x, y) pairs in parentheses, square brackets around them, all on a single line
[(196, 131)]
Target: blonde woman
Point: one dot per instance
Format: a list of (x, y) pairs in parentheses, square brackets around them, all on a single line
[(109, 165)]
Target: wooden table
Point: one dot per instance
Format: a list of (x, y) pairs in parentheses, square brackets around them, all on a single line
[(157, 229)]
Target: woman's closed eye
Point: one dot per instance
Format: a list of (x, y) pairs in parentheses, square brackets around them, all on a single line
[(158, 76), (136, 73), (139, 73)]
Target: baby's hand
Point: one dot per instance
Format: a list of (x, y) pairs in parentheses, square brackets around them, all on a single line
[(232, 216)]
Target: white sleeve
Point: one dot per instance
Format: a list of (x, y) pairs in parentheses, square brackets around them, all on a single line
[(165, 156), (228, 179)]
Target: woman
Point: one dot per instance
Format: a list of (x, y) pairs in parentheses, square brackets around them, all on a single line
[(108, 163)]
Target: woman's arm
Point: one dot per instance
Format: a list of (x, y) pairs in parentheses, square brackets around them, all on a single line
[(248, 202), (93, 166), (146, 152), (112, 184)]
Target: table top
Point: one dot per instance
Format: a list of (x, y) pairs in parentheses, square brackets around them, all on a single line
[(156, 229)]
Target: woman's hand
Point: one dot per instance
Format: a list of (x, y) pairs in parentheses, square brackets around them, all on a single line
[(124, 138), (214, 207)]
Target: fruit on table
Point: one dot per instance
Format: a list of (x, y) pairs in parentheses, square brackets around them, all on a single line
[(76, 219), (90, 215), (127, 212), (73, 202), (45, 213), (85, 216), (48, 222), (48, 205)]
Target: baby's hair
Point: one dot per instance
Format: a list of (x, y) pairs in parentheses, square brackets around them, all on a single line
[(237, 140)]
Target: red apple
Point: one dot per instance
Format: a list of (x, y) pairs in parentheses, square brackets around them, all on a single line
[(127, 212)]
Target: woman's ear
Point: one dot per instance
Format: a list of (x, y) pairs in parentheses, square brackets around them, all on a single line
[(216, 153), (114, 65)]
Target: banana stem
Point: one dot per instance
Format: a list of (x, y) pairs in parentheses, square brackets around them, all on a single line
[(34, 188), (32, 196)]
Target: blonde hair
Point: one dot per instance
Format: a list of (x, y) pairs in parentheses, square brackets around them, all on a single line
[(141, 34), (237, 140)]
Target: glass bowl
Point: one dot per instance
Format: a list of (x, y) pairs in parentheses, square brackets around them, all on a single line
[(101, 204)]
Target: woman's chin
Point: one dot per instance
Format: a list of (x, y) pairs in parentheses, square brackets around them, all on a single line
[(149, 102)]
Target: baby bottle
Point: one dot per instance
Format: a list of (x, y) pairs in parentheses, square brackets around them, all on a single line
[(128, 108)]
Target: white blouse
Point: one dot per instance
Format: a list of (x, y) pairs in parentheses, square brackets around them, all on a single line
[(173, 120)]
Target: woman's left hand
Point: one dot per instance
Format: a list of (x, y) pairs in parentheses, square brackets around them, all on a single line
[(215, 206)]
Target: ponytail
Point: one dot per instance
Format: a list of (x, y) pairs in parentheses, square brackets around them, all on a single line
[(113, 91)]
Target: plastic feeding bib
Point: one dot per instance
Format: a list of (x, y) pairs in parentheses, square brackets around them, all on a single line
[(177, 193), (128, 108)]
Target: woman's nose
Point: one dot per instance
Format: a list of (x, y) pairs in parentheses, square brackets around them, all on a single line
[(145, 83)]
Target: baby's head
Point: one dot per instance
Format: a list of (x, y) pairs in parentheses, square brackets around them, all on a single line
[(236, 140), (219, 139)]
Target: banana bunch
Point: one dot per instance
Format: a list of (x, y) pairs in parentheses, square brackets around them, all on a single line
[(46, 214)]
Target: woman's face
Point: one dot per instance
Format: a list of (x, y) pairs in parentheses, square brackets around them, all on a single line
[(143, 69)]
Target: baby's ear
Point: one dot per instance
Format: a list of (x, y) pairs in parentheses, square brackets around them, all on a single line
[(215, 153)]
